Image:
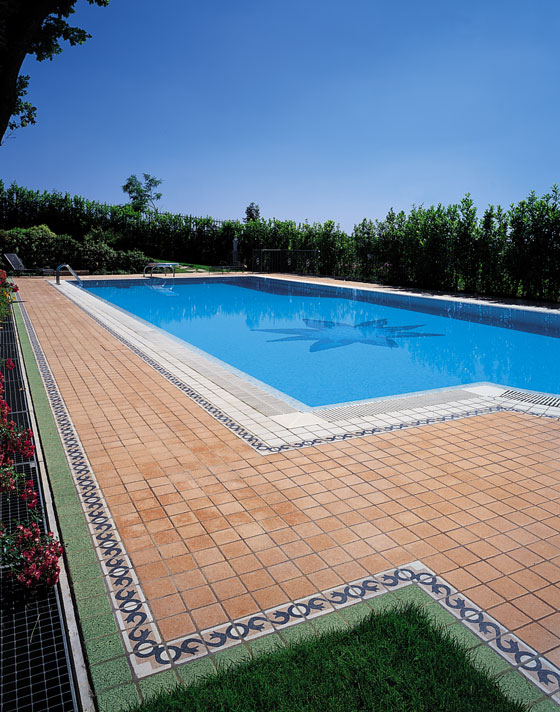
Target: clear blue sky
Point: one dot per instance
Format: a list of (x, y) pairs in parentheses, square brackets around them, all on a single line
[(314, 110)]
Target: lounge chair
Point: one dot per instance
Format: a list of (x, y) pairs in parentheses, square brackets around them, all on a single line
[(17, 265)]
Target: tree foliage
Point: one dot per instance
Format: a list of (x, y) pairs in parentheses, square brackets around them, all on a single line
[(37, 28), (142, 195), (252, 213)]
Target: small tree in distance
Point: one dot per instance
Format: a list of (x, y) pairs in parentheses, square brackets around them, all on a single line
[(142, 195), (252, 213)]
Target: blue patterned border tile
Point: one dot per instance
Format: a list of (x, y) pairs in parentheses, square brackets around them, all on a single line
[(345, 595), (186, 649), (221, 637), (467, 612), (315, 605), (512, 648), (542, 673), (145, 648), (149, 658), (434, 586), (286, 615), (252, 627), (480, 622), (128, 612), (401, 576), (368, 587)]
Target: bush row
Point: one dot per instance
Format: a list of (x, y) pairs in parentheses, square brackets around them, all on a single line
[(39, 247), (514, 252)]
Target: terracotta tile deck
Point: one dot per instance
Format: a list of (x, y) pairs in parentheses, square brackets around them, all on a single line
[(217, 531)]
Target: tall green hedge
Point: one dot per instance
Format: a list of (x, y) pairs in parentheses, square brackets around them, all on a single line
[(514, 252)]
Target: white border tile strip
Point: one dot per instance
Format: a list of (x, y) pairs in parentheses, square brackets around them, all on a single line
[(269, 423)]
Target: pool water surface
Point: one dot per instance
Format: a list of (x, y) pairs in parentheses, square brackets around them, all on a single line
[(323, 345)]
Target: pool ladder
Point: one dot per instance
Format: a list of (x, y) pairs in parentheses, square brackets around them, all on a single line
[(60, 267)]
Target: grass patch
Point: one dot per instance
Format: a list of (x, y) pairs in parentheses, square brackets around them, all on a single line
[(394, 661), (188, 267)]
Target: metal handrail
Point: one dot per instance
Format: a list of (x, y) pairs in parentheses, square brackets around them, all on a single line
[(163, 265), (81, 284)]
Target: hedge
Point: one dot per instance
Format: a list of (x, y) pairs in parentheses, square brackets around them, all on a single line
[(513, 252)]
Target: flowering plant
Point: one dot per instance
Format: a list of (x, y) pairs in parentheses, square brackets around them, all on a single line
[(14, 440), (32, 557), (14, 483), (7, 290)]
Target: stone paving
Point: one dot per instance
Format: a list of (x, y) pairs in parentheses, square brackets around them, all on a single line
[(216, 531)]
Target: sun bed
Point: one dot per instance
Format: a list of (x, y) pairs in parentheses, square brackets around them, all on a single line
[(17, 265)]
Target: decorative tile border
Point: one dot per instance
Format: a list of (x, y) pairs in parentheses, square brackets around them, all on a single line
[(133, 615), (149, 654), (274, 433)]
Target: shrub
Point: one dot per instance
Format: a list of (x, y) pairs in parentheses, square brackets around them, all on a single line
[(38, 246)]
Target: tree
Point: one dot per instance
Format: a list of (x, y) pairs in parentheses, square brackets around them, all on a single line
[(34, 27), (252, 213), (142, 196)]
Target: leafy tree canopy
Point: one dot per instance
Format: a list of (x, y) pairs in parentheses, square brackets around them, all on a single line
[(252, 213), (30, 27), (142, 195)]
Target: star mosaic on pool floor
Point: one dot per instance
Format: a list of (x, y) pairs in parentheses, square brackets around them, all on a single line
[(333, 334)]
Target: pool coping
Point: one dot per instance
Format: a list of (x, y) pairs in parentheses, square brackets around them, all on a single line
[(269, 424), (115, 675)]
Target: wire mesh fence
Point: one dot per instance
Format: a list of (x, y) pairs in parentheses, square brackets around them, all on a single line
[(286, 261)]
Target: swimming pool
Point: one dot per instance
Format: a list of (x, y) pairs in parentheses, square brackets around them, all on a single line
[(323, 345)]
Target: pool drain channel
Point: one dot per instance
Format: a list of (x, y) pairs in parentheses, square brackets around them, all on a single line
[(534, 398)]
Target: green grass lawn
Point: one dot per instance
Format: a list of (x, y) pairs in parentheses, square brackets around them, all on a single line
[(189, 267), (393, 661)]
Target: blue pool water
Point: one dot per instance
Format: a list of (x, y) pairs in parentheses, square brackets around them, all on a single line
[(320, 347)]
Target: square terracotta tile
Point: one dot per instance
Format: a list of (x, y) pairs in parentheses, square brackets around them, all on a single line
[(538, 637), (208, 616), (167, 606), (240, 606), (256, 580), (176, 626), (507, 588), (244, 564), (198, 597), (298, 588)]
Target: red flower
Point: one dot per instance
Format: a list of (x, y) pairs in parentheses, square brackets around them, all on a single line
[(32, 557)]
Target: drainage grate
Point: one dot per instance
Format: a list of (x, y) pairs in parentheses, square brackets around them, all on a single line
[(391, 405), (14, 393), (535, 398), (35, 667)]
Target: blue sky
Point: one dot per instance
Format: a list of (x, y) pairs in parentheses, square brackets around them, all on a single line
[(314, 110)]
